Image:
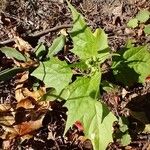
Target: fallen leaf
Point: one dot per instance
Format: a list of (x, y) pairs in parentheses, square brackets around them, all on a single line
[(22, 129), (18, 92), (4, 107), (19, 88), (22, 45), (6, 144), (28, 127), (10, 133), (35, 94), (7, 120), (27, 103), (26, 64)]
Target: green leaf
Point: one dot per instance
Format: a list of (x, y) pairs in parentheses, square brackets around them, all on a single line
[(9, 73), (147, 29), (101, 40), (132, 65), (86, 44), (129, 43), (146, 129), (40, 51), (109, 87), (54, 73), (133, 23), (82, 105), (125, 137), (12, 53), (143, 16), (56, 46)]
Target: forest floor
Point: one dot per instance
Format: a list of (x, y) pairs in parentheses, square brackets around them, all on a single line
[(31, 20)]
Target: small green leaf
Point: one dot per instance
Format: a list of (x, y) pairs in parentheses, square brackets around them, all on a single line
[(143, 16), (9, 73), (129, 43), (101, 40), (147, 29), (125, 136), (54, 73), (109, 87), (56, 46), (126, 139), (132, 65), (133, 23), (12, 53), (40, 51), (146, 129), (82, 105)]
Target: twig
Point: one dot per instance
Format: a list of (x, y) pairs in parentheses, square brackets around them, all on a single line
[(39, 34), (50, 30), (7, 41)]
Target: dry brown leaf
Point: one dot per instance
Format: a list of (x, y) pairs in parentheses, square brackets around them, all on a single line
[(43, 105), (23, 77), (26, 64), (10, 133), (18, 93), (23, 130), (35, 94), (6, 145), (19, 88), (7, 120), (27, 103), (28, 127), (4, 107), (22, 45)]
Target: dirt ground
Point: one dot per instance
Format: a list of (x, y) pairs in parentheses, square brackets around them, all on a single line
[(29, 19)]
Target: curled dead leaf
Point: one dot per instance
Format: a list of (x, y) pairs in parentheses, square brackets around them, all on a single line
[(35, 94), (27, 103), (23, 77), (18, 92), (10, 133), (6, 144), (22, 129), (28, 127), (22, 45), (7, 120), (19, 88), (4, 107), (26, 64)]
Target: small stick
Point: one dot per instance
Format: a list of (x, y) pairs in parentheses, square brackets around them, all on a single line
[(6, 42), (39, 34)]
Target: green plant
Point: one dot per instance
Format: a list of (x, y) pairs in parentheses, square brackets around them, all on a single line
[(83, 93), (142, 17)]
